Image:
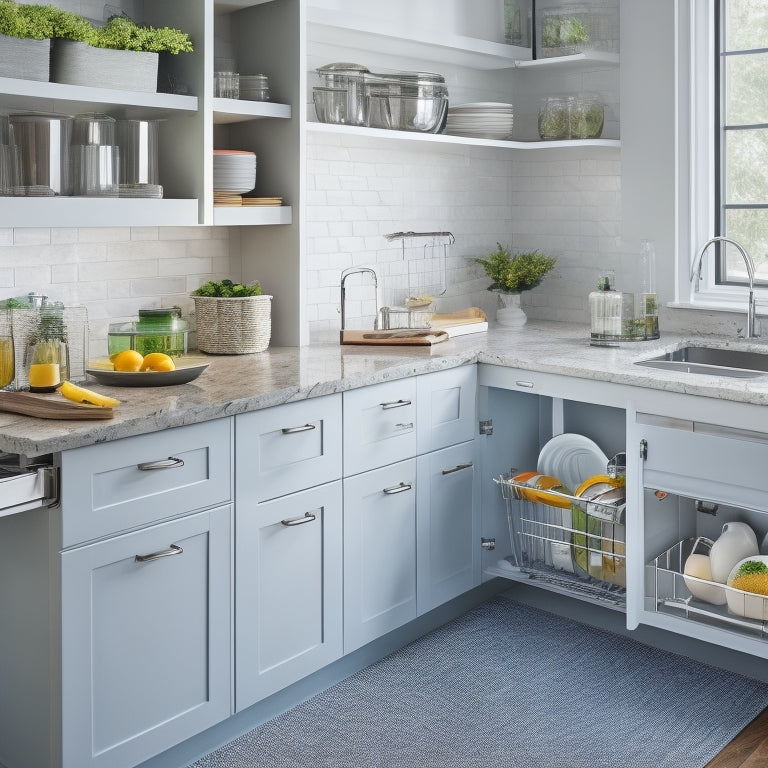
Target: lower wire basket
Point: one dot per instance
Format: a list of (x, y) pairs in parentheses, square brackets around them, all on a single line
[(571, 544)]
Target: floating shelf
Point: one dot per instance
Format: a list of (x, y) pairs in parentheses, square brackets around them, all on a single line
[(240, 110), (329, 30), (16, 95), (589, 60), (440, 138), (237, 216), (96, 212)]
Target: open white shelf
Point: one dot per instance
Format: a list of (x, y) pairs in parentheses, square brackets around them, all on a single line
[(330, 31), (588, 60), (96, 212), (241, 110), (257, 215), (17, 95), (441, 138)]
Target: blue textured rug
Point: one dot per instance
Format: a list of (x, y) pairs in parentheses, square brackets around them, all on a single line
[(509, 686)]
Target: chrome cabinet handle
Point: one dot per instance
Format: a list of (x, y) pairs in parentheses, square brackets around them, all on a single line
[(294, 430), (525, 384), (168, 463), (174, 549), (399, 488), (394, 404), (404, 425), (457, 468), (308, 517)]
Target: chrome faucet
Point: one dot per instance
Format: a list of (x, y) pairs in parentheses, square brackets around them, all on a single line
[(750, 264), (344, 275)]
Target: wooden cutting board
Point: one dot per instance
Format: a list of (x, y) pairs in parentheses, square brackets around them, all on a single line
[(50, 407), (403, 337)]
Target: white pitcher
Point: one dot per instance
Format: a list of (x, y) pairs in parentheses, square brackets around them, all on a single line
[(736, 542)]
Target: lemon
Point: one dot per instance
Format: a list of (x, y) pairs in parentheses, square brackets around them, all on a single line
[(128, 360), (158, 361)]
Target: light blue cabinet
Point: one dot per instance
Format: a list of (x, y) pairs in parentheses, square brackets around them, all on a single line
[(448, 530), (379, 552), (145, 640), (288, 580)]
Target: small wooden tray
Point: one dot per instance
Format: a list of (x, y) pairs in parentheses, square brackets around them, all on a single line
[(50, 407)]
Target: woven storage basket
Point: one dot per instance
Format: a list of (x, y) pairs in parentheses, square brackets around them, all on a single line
[(233, 326)]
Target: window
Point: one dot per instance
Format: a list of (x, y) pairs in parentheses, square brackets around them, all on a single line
[(741, 143)]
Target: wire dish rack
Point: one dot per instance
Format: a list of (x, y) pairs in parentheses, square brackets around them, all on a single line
[(566, 541), (674, 592)]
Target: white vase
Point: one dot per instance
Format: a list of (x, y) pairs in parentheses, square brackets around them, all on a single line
[(509, 312)]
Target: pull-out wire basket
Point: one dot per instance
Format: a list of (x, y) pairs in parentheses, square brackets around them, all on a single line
[(669, 590), (566, 541)]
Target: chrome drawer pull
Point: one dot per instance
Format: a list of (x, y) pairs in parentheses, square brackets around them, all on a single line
[(168, 463), (457, 468), (404, 425), (294, 430), (307, 518), (174, 549), (395, 404), (525, 384), (399, 488)]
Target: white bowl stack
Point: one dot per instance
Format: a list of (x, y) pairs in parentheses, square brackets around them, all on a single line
[(234, 171)]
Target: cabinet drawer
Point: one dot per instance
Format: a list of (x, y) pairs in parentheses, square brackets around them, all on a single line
[(288, 448), (704, 461), (129, 483), (379, 425), (445, 408)]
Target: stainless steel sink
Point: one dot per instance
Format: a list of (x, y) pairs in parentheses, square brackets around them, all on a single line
[(735, 363)]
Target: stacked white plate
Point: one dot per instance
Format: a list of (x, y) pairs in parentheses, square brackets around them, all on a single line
[(234, 170), (484, 120)]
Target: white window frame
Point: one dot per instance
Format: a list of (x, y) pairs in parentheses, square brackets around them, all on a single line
[(696, 137)]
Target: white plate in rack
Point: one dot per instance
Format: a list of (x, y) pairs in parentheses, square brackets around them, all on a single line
[(572, 459)]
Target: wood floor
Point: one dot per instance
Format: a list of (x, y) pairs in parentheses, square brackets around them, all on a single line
[(749, 749)]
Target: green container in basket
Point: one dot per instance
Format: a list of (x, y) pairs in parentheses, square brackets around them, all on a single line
[(233, 326)]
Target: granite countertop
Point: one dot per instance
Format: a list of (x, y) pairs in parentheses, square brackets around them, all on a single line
[(240, 383)]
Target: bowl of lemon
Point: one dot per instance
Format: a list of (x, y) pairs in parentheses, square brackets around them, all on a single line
[(129, 368)]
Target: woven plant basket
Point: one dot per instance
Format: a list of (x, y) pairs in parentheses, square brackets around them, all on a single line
[(233, 326)]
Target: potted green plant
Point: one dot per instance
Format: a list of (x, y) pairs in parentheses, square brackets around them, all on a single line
[(562, 35), (511, 275), (121, 54), (26, 32), (232, 318)]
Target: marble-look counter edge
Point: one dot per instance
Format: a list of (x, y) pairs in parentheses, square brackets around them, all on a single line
[(238, 384)]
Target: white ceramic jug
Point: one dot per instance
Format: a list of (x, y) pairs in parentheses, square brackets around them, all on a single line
[(736, 542)]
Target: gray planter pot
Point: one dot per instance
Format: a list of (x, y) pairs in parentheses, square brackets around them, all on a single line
[(81, 64), (24, 58)]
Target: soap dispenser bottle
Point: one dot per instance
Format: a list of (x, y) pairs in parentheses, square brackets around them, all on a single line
[(605, 310)]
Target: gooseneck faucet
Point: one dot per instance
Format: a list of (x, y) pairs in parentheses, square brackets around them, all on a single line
[(750, 264), (344, 275)]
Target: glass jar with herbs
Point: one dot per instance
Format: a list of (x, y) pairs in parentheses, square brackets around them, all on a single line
[(586, 116), (553, 118)]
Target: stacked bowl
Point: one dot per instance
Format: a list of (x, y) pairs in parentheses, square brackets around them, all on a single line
[(234, 171)]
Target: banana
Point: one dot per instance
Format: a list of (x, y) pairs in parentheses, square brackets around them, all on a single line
[(82, 395)]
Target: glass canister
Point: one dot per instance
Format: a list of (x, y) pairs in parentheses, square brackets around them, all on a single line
[(138, 141), (254, 87), (352, 79), (43, 143), (553, 118), (586, 116)]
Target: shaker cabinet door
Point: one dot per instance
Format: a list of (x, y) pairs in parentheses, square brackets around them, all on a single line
[(448, 529), (379, 552), (446, 408), (145, 640), (288, 590)]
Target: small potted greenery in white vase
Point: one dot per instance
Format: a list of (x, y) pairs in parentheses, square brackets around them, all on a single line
[(511, 275), (121, 55)]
